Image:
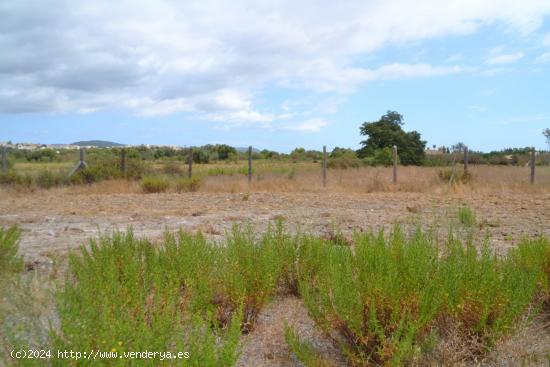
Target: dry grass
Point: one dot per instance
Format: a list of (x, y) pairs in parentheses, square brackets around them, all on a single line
[(307, 178)]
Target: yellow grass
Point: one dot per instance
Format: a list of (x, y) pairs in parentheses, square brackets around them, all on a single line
[(490, 179)]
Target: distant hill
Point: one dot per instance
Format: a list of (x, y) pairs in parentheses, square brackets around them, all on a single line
[(245, 149), (98, 143)]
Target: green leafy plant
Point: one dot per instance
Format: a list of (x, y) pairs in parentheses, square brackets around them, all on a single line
[(466, 216), (188, 184), (151, 184)]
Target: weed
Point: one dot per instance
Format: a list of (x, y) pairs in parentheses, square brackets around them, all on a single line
[(15, 179), (303, 350), (150, 184), (48, 179), (387, 296), (172, 168), (188, 184), (466, 216), (9, 245)]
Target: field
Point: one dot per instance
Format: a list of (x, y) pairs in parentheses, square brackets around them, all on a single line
[(296, 241)]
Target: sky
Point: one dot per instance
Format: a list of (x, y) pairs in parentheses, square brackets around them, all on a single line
[(274, 74)]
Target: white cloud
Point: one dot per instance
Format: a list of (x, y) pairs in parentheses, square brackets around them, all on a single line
[(546, 39), (312, 125), (545, 57), (164, 57), (504, 58)]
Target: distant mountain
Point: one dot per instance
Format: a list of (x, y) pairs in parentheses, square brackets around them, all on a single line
[(98, 143), (245, 149)]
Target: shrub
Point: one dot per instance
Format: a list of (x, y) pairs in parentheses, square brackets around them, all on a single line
[(48, 179), (303, 350), (447, 176), (383, 157), (121, 297), (152, 184), (344, 159), (9, 245), (466, 216), (188, 184), (388, 298), (16, 179), (172, 168)]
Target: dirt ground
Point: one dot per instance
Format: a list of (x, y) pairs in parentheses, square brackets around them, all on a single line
[(56, 221)]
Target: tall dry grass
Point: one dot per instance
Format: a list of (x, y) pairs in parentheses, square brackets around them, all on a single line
[(485, 179)]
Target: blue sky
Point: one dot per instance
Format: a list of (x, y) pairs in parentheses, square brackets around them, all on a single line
[(274, 75)]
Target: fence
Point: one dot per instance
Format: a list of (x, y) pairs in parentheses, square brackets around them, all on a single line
[(81, 164)]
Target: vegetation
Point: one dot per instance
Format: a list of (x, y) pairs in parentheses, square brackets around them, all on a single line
[(9, 244), (390, 300), (188, 184), (151, 184), (303, 350), (466, 216), (387, 132)]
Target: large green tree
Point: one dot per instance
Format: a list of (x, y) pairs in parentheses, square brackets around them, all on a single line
[(387, 132), (546, 133)]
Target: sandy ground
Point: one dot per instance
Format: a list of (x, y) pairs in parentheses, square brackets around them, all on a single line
[(56, 221)]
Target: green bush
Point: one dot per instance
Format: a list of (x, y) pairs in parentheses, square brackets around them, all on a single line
[(388, 298), (459, 176), (344, 159), (15, 179), (120, 296), (466, 216), (383, 157), (189, 294), (48, 179), (303, 350), (188, 184), (9, 245), (172, 168), (151, 184)]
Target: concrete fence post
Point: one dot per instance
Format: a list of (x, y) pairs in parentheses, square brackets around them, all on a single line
[(81, 164), (324, 165), (532, 163), (395, 164), (250, 164)]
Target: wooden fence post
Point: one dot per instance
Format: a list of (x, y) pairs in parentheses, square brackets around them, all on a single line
[(533, 165), (190, 172), (4, 159), (123, 161), (324, 165), (250, 164), (465, 160), (395, 164)]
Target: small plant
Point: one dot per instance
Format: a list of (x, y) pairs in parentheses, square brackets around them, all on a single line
[(188, 184), (292, 174), (48, 179), (151, 184), (172, 168), (303, 350), (9, 245), (451, 176), (15, 179), (466, 216)]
